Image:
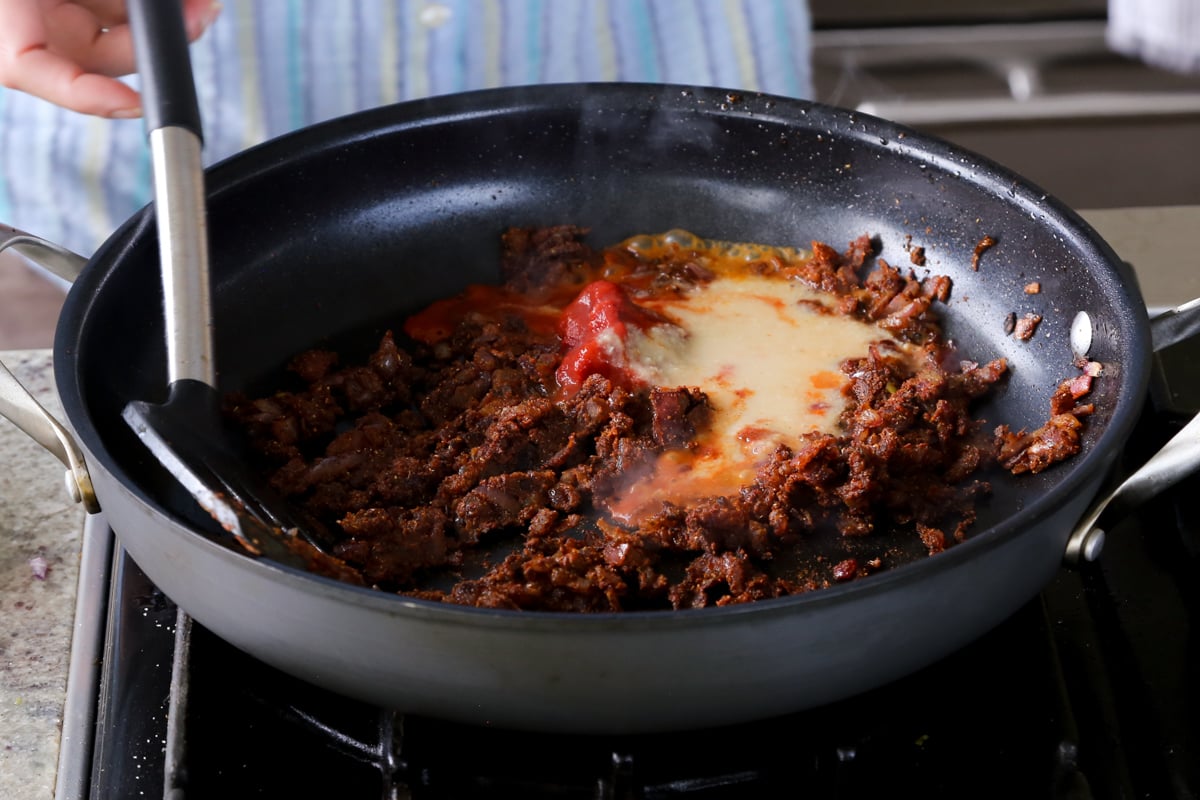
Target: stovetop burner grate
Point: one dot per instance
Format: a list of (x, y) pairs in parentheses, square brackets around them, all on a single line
[(902, 736)]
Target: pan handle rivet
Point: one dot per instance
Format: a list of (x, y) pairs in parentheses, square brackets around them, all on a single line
[(1081, 334)]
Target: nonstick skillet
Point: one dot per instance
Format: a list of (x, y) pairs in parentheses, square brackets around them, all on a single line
[(328, 236)]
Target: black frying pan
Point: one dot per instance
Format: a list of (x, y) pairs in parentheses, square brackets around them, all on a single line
[(330, 235)]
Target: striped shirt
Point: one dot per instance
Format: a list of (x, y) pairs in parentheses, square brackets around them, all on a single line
[(267, 67)]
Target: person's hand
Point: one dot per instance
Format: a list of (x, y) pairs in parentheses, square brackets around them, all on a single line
[(71, 52)]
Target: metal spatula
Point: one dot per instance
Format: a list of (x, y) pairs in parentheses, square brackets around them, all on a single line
[(186, 433)]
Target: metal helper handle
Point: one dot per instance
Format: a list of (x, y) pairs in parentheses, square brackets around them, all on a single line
[(59, 260), (1178, 458), (17, 404), (20, 408)]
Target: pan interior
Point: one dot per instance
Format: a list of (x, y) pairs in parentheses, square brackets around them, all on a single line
[(331, 235)]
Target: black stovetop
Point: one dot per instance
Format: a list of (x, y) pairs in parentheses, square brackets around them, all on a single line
[(1083, 693)]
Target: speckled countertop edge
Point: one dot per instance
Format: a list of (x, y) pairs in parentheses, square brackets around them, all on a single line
[(40, 541)]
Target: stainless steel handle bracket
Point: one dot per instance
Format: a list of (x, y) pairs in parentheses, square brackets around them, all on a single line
[(59, 260), (1178, 458), (17, 404), (20, 407)]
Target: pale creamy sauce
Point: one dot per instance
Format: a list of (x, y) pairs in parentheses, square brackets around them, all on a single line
[(770, 364)]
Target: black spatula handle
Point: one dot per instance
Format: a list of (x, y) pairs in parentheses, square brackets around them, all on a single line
[(173, 129), (160, 41)]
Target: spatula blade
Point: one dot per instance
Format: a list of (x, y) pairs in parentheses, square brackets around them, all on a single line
[(185, 434)]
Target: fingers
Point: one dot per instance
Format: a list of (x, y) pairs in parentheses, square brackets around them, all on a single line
[(77, 35), (70, 52), (61, 81), (60, 53), (198, 15), (108, 13), (107, 48)]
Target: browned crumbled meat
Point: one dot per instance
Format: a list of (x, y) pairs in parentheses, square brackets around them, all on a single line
[(1033, 288), (934, 539), (1026, 326), (1033, 452), (833, 272), (312, 365), (845, 570), (723, 579), (900, 303), (678, 414), (984, 244), (917, 256), (393, 543), (1058, 439), (455, 469), (533, 257)]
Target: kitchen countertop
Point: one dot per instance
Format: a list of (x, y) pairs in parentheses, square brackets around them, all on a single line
[(41, 529), (1160, 243), (40, 540)]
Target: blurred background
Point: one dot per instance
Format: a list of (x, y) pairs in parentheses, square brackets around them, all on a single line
[(1036, 85), (1032, 84)]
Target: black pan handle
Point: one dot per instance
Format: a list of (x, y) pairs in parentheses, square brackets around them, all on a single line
[(164, 65)]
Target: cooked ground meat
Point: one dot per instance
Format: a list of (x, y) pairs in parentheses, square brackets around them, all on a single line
[(1025, 327), (457, 469), (985, 244)]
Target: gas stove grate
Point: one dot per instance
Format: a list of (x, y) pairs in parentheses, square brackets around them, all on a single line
[(248, 725)]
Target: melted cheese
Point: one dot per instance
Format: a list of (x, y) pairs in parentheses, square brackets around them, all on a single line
[(769, 361), (766, 357)]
